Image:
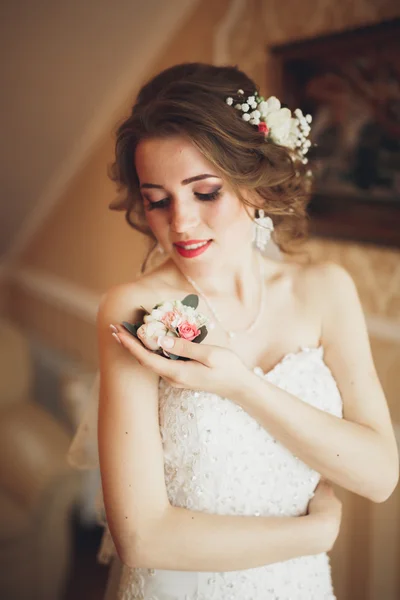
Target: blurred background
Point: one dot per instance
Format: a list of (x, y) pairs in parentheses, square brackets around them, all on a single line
[(69, 73)]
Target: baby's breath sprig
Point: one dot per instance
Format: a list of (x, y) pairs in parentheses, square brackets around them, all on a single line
[(276, 123)]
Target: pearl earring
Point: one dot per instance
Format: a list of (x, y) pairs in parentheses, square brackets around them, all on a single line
[(160, 249), (263, 227)]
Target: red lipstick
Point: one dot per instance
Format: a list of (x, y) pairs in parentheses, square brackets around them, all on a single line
[(192, 252)]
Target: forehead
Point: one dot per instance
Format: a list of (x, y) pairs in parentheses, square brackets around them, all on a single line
[(160, 159)]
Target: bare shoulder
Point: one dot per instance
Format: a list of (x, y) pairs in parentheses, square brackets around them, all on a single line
[(331, 274), (335, 293), (122, 302), (325, 281)]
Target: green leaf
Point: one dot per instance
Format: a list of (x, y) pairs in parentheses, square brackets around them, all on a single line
[(172, 356), (131, 327), (191, 300), (201, 336)]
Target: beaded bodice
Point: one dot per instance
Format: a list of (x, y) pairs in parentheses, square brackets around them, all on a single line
[(218, 459), (214, 452)]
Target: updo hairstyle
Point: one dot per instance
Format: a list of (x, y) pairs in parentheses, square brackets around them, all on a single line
[(190, 100)]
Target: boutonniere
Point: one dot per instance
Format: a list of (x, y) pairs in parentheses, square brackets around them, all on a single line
[(177, 318)]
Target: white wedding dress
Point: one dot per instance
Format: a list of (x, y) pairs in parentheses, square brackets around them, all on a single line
[(218, 459)]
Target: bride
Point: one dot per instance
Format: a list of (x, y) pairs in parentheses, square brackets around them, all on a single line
[(215, 470)]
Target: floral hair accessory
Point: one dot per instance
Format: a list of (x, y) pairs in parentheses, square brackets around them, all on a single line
[(276, 123), (176, 318)]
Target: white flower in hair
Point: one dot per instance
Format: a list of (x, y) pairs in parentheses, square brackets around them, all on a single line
[(279, 124), (276, 123), (269, 106)]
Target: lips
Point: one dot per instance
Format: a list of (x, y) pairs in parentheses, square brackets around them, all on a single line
[(187, 251), (189, 243)]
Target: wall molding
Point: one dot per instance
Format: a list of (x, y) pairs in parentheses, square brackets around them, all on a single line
[(162, 30), (83, 303), (383, 328), (58, 292)]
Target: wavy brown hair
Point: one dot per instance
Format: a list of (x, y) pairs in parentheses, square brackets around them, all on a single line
[(190, 100)]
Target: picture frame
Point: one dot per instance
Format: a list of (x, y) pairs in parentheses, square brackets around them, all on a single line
[(350, 83)]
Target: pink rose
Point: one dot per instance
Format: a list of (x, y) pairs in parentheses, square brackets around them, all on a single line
[(263, 128), (171, 319), (188, 331)]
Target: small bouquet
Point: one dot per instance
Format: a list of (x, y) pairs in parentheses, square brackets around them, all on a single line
[(177, 318)]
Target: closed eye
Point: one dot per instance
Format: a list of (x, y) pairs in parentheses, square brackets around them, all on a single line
[(165, 201)]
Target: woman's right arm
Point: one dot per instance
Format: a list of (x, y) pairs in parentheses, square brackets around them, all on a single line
[(146, 529)]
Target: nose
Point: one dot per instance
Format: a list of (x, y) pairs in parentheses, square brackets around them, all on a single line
[(183, 217)]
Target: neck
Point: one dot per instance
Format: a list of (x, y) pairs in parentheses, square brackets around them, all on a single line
[(237, 279)]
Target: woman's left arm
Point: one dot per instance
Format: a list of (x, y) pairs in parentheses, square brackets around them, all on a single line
[(358, 452)]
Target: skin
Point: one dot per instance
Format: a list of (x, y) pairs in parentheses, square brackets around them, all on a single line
[(302, 308)]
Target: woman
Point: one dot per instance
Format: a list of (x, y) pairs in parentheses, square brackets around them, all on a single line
[(209, 466)]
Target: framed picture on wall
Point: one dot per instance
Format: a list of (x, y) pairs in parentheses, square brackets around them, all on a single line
[(350, 83)]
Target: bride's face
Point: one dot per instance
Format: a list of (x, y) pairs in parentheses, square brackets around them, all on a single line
[(188, 204)]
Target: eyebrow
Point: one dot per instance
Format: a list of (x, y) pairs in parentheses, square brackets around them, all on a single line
[(184, 182)]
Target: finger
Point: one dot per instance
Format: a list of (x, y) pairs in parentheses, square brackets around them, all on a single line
[(160, 365), (202, 353)]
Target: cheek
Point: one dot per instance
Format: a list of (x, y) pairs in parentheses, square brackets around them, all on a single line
[(230, 216)]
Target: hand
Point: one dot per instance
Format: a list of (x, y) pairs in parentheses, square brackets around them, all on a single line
[(327, 508), (210, 368)]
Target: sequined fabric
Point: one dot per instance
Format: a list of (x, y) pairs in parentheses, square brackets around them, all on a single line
[(218, 459)]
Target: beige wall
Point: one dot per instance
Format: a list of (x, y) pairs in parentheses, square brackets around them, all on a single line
[(82, 240)]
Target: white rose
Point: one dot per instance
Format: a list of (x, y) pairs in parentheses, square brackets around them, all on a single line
[(273, 104), (158, 313), (280, 124), (149, 334), (269, 106), (263, 108), (149, 318), (193, 316)]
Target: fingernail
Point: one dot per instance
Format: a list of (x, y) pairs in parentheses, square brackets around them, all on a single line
[(113, 328), (166, 342), (116, 338)]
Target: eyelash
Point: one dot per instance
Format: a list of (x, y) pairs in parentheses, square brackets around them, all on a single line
[(204, 197)]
